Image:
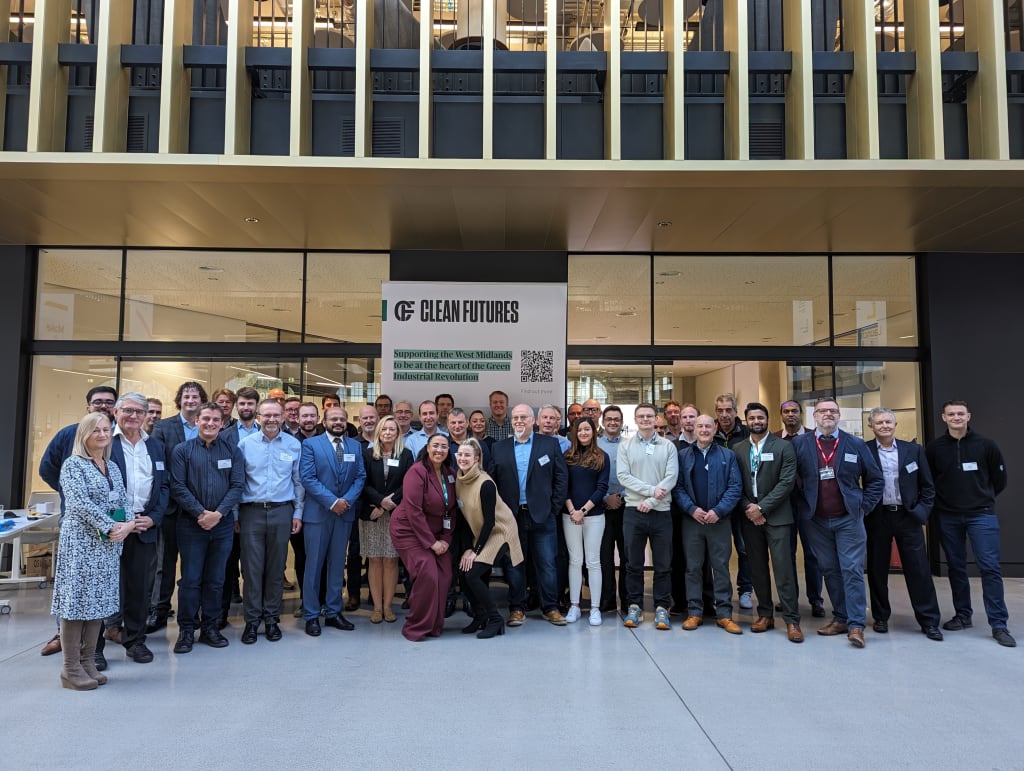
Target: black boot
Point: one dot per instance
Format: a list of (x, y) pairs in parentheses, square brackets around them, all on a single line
[(479, 622), (495, 626), (467, 606)]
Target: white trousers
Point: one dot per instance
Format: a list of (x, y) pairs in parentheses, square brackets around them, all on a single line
[(580, 540)]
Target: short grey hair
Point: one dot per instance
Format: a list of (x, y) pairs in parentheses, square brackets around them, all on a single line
[(876, 411), (132, 396)]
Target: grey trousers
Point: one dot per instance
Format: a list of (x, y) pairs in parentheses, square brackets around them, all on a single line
[(263, 536), (718, 540)]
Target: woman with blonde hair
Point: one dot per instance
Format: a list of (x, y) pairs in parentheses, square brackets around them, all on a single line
[(96, 520), (386, 460)]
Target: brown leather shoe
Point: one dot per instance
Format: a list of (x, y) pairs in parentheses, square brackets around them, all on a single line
[(794, 633), (692, 622), (856, 637), (516, 618), (729, 626), (833, 628), (113, 633), (763, 624), (555, 617), (51, 647)]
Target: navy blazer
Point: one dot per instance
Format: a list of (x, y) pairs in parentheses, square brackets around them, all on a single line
[(170, 433), (917, 489), (326, 479), (161, 492), (57, 451), (854, 464), (547, 482), (377, 488), (725, 486)]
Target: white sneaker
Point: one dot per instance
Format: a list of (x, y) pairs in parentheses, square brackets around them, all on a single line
[(573, 615), (595, 617), (746, 601)]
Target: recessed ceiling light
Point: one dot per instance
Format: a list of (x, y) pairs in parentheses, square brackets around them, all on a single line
[(748, 283), (669, 273), (211, 269), (906, 337), (279, 310), (601, 337), (665, 224), (252, 220), (625, 314), (212, 278)]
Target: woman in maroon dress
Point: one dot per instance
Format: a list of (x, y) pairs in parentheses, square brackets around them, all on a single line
[(421, 530)]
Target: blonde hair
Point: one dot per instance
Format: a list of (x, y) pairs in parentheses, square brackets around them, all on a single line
[(85, 429), (378, 451)]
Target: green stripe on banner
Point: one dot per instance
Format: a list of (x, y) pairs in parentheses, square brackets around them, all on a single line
[(383, 310)]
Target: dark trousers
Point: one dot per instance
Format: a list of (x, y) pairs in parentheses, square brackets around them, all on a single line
[(983, 530), (540, 546), (264, 538), (883, 525), (354, 565), (613, 538), (298, 542), (812, 573), (166, 565), (474, 582), (764, 541), (679, 568), (743, 582), (231, 576), (714, 541), (639, 528), (203, 554), (136, 588)]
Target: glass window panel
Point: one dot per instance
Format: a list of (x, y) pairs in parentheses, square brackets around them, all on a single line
[(161, 378), (79, 294), (343, 297), (875, 301), (750, 300), (609, 299), (355, 381), (623, 384), (237, 297)]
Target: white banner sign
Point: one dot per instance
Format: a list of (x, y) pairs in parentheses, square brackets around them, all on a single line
[(471, 339)]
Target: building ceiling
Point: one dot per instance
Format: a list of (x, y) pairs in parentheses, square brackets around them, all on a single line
[(601, 206)]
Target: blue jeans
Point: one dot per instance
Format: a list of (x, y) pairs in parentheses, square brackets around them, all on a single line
[(840, 546), (204, 555), (983, 530), (812, 575), (540, 546)]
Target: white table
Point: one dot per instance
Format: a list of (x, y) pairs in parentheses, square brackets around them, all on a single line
[(22, 524)]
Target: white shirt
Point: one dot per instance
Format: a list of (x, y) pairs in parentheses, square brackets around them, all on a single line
[(138, 478), (889, 460)]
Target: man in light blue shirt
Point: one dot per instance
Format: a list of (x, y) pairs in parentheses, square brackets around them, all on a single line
[(270, 512), (417, 440)]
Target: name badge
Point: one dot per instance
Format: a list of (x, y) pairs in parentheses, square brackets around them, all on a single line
[(113, 497), (970, 466), (459, 502), (826, 473), (650, 449), (767, 456), (349, 457), (393, 462), (451, 479), (159, 464), (543, 460), (447, 523), (912, 467), (287, 456), (224, 463), (850, 457)]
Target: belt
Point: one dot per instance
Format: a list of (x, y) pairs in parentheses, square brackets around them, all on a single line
[(525, 508), (267, 504), (893, 507)]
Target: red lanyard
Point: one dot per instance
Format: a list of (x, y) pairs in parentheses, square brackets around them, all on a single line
[(827, 459)]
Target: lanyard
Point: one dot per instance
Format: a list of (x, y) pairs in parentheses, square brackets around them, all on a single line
[(827, 459), (444, 490)]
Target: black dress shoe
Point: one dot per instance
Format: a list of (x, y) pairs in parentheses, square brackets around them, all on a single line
[(313, 627), (467, 607), (449, 606), (273, 632), (213, 638), (140, 654), (1004, 638), (882, 627), (100, 660), (932, 633), (957, 624), (185, 641), (339, 622), (250, 632), (155, 622), (817, 610), (236, 598), (222, 623), (607, 607)]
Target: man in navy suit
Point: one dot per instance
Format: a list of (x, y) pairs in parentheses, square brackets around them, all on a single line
[(332, 471), (532, 479), (143, 464), (839, 482), (906, 503)]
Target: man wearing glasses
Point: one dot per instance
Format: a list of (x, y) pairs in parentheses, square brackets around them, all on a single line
[(840, 482), (609, 441)]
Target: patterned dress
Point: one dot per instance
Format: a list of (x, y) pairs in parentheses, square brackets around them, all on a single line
[(86, 580)]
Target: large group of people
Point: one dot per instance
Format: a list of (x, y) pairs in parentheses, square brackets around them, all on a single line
[(224, 486)]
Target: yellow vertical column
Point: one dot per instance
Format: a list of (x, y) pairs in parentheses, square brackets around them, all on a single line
[(488, 79), (737, 82), (551, 80), (987, 114), (175, 80), (300, 107), (5, 34), (48, 94), (862, 86), (364, 83), (796, 15), (924, 87), (613, 84), (110, 114), (426, 84), (675, 82), (238, 88)]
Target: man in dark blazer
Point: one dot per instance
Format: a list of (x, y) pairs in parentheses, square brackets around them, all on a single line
[(839, 482), (171, 432), (906, 503), (142, 461), (768, 469), (532, 479), (332, 471)]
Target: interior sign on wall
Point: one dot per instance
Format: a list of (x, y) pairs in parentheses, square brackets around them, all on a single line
[(471, 339)]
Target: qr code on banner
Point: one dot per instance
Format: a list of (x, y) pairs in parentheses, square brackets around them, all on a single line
[(538, 367)]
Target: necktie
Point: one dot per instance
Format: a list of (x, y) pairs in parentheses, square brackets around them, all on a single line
[(339, 450)]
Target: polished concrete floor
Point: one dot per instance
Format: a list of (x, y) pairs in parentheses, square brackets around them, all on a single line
[(538, 697)]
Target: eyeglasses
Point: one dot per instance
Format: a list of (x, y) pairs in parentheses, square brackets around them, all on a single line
[(826, 412), (131, 412), (102, 403)]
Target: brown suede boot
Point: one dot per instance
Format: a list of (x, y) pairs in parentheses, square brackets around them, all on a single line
[(72, 675), (90, 636)]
